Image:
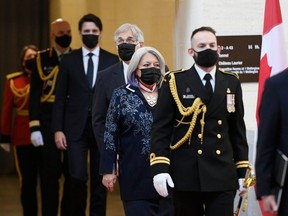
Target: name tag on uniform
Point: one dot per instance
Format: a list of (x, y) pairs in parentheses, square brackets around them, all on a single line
[(188, 96)]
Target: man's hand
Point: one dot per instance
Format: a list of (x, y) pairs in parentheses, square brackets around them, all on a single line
[(36, 138), (108, 181), (160, 182), (5, 146), (242, 190), (60, 140), (269, 204)]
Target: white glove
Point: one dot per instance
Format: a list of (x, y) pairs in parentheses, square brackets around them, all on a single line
[(160, 182), (36, 138), (242, 190), (5, 146)]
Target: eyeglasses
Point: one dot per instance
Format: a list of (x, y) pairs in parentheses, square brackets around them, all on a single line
[(128, 41)]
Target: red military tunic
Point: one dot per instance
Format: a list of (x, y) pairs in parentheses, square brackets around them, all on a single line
[(14, 118)]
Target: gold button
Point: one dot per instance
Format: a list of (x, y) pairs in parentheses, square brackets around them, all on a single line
[(219, 122), (199, 136), (219, 136), (218, 152), (199, 152)]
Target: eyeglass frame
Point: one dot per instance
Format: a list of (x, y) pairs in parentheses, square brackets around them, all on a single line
[(129, 40)]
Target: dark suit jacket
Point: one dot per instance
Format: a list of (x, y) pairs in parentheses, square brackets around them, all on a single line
[(73, 94), (127, 133), (273, 130), (209, 166), (107, 80)]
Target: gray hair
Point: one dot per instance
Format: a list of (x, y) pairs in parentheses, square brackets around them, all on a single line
[(135, 60), (138, 34)]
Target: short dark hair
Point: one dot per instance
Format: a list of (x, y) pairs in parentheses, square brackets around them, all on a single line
[(203, 28), (90, 18)]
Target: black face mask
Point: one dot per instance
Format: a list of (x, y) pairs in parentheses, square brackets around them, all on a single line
[(206, 58), (150, 76), (29, 64), (63, 41), (90, 40), (126, 51)]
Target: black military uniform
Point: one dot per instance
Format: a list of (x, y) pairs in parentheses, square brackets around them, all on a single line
[(199, 144), (43, 81)]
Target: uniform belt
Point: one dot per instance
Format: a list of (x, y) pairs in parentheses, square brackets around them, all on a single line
[(22, 112), (50, 99)]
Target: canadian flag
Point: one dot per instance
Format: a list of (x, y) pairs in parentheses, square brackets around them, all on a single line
[(273, 55)]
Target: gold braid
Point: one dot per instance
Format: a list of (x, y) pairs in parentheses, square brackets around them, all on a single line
[(250, 181), (41, 74), (197, 107), (53, 74), (47, 96), (20, 93)]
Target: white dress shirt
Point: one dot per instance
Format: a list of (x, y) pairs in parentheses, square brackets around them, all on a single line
[(202, 73)]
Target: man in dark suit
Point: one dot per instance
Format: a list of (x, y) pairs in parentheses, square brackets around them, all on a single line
[(43, 80), (72, 124), (272, 135), (127, 37), (198, 143)]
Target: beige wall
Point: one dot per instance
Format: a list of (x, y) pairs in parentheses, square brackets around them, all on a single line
[(243, 17), (155, 18)]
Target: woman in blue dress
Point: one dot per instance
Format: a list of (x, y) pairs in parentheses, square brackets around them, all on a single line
[(127, 136)]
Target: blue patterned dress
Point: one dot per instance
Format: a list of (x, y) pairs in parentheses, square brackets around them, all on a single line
[(127, 132)]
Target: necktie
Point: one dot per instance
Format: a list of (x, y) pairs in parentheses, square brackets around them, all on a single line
[(90, 70), (208, 85)]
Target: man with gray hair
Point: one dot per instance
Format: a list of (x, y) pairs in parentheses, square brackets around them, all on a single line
[(128, 37)]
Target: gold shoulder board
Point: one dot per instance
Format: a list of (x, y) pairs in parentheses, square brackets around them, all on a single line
[(167, 74), (228, 72), (175, 71), (13, 75)]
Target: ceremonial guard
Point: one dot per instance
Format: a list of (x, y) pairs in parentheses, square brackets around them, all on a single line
[(198, 141), (43, 82), (15, 130)]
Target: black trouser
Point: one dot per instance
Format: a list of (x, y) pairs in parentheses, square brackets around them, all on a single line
[(66, 200), (204, 203), (78, 167), (53, 166), (149, 207), (28, 162)]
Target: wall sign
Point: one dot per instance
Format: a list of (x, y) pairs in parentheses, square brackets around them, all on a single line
[(241, 55)]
